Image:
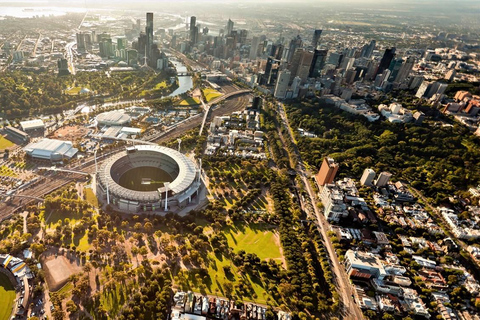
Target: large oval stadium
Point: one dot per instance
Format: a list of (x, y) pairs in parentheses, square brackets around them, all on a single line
[(148, 178)]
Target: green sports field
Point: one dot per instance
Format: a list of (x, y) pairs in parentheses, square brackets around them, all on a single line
[(7, 297), (132, 179)]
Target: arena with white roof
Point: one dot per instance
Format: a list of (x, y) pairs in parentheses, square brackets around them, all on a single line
[(51, 149), (182, 173)]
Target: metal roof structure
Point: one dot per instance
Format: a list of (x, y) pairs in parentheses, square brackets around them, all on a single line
[(182, 169), (32, 124), (51, 149), (113, 118)]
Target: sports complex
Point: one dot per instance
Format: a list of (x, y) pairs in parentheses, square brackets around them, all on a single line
[(148, 178)]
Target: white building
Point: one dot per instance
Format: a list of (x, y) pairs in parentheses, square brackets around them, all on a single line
[(364, 262), (113, 118), (31, 125), (50, 149), (367, 177), (383, 179), (282, 84)]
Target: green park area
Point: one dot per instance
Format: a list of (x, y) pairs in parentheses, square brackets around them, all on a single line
[(211, 94), (190, 102), (7, 171), (254, 238), (7, 297), (258, 239), (5, 143), (73, 91)]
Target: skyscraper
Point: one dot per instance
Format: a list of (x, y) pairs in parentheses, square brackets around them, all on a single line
[(149, 33), (327, 172), (319, 58), (394, 67), (229, 27), (193, 29), (254, 48), (316, 37), (405, 70), (282, 84), (81, 42), (295, 43), (370, 48), (386, 60)]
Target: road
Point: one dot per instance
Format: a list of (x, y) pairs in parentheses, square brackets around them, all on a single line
[(350, 309), (55, 182), (69, 49)]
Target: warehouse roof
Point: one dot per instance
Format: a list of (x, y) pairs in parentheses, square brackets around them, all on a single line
[(32, 124)]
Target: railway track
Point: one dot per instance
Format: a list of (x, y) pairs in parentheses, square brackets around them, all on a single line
[(53, 183)]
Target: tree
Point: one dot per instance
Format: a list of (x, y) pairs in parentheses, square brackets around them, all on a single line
[(71, 307)]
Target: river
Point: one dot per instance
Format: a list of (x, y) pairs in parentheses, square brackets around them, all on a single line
[(185, 83)]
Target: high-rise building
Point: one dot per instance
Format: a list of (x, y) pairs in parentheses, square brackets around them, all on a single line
[(229, 27), (81, 46), (305, 64), (282, 84), (63, 67), (367, 177), (193, 30), (405, 70), (254, 48), (383, 179), (319, 59), (149, 33), (106, 48), (370, 48), (295, 43), (327, 172), (316, 37), (395, 67), (121, 43), (386, 60), (271, 71)]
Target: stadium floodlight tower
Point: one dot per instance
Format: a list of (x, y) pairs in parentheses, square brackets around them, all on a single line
[(108, 193), (179, 143), (166, 184)]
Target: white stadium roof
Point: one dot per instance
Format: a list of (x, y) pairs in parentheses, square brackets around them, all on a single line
[(185, 179), (116, 117), (51, 149)]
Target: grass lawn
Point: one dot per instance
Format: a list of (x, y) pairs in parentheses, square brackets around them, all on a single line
[(254, 238), (7, 297), (111, 300), (190, 102), (211, 94), (91, 197), (161, 85), (73, 91), (5, 143)]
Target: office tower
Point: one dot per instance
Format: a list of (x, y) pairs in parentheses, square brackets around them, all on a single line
[(415, 82), (327, 172), (383, 179), (205, 31), (296, 86), (405, 70), (254, 48), (88, 42), (271, 71), (305, 64), (121, 43), (370, 48), (334, 58), (242, 36), (149, 34), (316, 37), (257, 103), (295, 43), (81, 47), (282, 84), (132, 57), (229, 27), (318, 62), (386, 60), (106, 48), (394, 67), (63, 67), (450, 75), (193, 30), (367, 177)]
